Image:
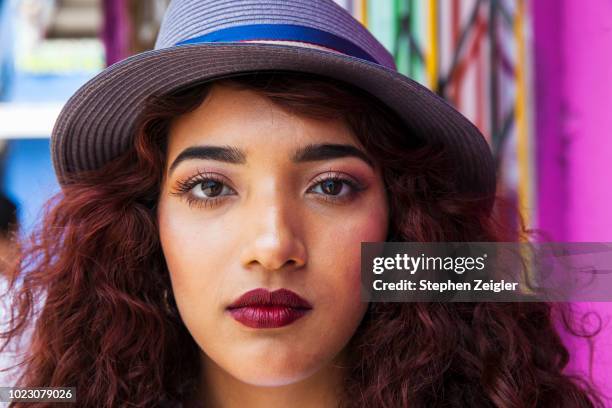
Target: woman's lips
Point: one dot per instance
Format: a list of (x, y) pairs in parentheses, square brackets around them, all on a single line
[(260, 308), (263, 317)]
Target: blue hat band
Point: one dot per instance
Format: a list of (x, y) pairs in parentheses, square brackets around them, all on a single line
[(282, 32)]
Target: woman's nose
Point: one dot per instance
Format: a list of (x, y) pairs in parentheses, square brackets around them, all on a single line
[(273, 238)]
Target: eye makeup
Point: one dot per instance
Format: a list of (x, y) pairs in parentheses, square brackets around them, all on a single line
[(205, 180), (331, 179), (206, 189)]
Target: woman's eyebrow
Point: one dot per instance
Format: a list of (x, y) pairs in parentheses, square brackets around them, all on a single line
[(230, 154), (316, 152), (226, 154)]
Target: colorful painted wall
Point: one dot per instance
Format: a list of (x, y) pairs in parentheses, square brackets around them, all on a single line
[(573, 88)]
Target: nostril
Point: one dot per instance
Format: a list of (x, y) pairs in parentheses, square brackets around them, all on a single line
[(290, 263), (274, 253)]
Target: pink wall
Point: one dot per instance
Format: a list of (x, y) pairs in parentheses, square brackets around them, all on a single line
[(573, 82)]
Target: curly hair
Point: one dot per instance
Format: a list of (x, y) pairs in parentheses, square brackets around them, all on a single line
[(93, 282)]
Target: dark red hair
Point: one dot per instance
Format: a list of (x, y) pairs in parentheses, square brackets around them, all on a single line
[(92, 279)]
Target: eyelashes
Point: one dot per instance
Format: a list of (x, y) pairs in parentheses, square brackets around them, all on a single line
[(336, 187), (207, 189), (203, 189)]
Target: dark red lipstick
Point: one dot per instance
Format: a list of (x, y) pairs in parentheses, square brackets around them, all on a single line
[(260, 308)]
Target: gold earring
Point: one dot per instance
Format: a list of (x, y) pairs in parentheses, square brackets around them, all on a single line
[(169, 309)]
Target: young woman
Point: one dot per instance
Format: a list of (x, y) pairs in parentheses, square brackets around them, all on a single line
[(214, 260)]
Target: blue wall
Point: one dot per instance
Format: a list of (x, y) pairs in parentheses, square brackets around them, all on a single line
[(28, 178)]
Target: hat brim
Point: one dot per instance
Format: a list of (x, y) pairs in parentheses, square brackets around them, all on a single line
[(98, 122)]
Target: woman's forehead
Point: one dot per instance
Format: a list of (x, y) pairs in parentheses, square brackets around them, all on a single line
[(247, 120)]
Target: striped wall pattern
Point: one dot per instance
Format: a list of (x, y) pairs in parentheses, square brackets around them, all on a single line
[(476, 54)]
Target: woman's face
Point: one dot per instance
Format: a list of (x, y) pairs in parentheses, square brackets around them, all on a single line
[(255, 197)]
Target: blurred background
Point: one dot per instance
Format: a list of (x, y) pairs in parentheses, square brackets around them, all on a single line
[(534, 75)]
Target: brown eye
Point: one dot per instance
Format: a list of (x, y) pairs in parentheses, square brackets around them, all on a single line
[(204, 189), (331, 187), (210, 189), (334, 187)]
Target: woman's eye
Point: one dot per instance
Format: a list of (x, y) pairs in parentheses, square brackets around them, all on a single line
[(203, 190), (210, 189), (333, 187)]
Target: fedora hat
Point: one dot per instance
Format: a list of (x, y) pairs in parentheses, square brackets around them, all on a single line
[(203, 40)]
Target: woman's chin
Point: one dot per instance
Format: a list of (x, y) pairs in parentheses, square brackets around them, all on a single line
[(273, 379), (270, 372)]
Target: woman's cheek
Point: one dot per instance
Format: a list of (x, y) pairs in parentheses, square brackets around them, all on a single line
[(193, 249), (336, 251)]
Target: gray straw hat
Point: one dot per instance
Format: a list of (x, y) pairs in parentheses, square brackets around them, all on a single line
[(201, 40)]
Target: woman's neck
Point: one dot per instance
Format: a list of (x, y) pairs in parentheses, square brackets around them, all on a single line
[(219, 389)]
